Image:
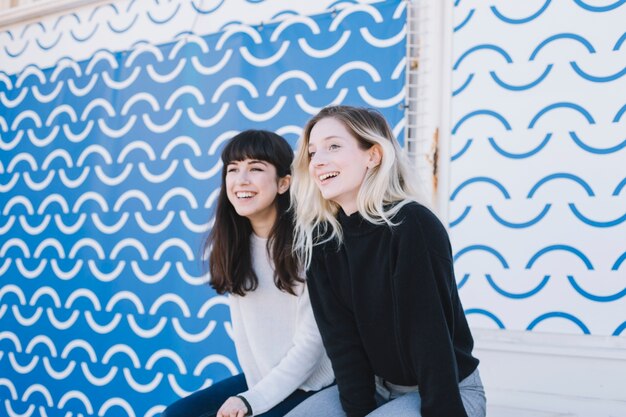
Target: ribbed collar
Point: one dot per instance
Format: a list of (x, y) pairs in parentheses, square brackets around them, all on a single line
[(355, 224)]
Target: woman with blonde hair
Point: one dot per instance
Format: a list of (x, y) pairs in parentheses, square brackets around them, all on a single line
[(380, 276)]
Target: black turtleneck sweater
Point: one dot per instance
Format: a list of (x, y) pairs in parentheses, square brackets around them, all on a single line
[(386, 304)]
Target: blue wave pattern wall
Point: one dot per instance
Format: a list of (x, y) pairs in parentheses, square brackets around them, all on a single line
[(537, 200), (109, 171)]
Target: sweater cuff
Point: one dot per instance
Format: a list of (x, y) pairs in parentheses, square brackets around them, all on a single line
[(246, 403)]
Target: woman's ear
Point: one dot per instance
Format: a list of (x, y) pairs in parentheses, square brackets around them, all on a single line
[(376, 155), (283, 184)]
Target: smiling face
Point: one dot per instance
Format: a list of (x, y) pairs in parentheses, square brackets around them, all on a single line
[(338, 162), (252, 186)]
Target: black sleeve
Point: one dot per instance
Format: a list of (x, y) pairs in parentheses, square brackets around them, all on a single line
[(355, 378), (425, 291)]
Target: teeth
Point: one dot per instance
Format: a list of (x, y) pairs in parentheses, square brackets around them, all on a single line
[(244, 194), (328, 175)]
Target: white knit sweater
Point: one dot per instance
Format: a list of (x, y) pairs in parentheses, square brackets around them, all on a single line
[(278, 344)]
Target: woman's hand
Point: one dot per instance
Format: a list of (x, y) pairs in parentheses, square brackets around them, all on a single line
[(233, 407)]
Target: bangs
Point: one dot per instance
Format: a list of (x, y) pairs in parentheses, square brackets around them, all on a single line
[(259, 145)]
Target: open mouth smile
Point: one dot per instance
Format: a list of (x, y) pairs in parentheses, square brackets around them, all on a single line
[(245, 194), (325, 177)]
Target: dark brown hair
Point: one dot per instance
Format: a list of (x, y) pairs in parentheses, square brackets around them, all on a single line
[(230, 261)]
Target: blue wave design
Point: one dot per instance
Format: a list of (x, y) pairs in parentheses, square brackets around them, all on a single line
[(489, 47), (485, 313), (86, 38), (619, 42), (565, 248), (595, 78), (523, 87), (595, 223), (619, 329), (31, 25), (599, 9), (16, 54), (480, 179), (465, 21), (122, 30), (482, 248), (463, 281), (559, 314), (102, 7), (70, 15), (593, 297), (475, 113), (284, 13), (619, 114), (517, 296), (561, 175), (206, 11), (165, 20), (521, 225), (520, 155), (462, 151), (52, 45), (559, 36), (522, 20), (619, 262), (464, 86), (598, 151), (459, 219), (562, 105)]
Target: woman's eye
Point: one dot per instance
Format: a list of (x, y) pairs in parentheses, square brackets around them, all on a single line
[(256, 169), (231, 170), (333, 147), (311, 153)]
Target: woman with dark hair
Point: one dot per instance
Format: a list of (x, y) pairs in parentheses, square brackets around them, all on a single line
[(277, 341)]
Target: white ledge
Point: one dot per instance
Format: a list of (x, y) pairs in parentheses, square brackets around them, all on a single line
[(41, 9)]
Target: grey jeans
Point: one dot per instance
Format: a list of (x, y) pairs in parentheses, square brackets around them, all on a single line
[(393, 400)]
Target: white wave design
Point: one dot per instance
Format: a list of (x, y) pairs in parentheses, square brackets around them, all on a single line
[(146, 333), (5, 266), (399, 10), (6, 102), (188, 278), (10, 145), (75, 395), (81, 92), (350, 66), (70, 183), (43, 98), (58, 111), (381, 103), (116, 402), (57, 153), (138, 144), (173, 298), (211, 199), (102, 328), (200, 175), (78, 137), (11, 337), (184, 393), (261, 117), (306, 107), (186, 89), (116, 134), (97, 149), (238, 28), (287, 75), (157, 409), (195, 119), (30, 71), (125, 295), (292, 20), (90, 195), (98, 381), (19, 199), (201, 69), (22, 157), (324, 53), (61, 65), (106, 277), (58, 375), (169, 354), (112, 181), (372, 11), (164, 127), (153, 229), (18, 243), (143, 48), (191, 226), (139, 195), (8, 225), (5, 188), (56, 301), (399, 69), (174, 242), (166, 78), (181, 140), (228, 326), (211, 359), (174, 192), (101, 55), (130, 242), (210, 303), (28, 273), (66, 275), (398, 128), (59, 324), (120, 348), (71, 229), (12, 413), (109, 230), (150, 279), (22, 369), (139, 97), (120, 85), (38, 388), (190, 337), (87, 242), (6, 80), (142, 388), (83, 292), (3, 124), (383, 43), (188, 38), (26, 321), (79, 344), (264, 62), (95, 103), (232, 82)]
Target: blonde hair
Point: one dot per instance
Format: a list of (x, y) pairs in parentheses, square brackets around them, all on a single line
[(383, 185)]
